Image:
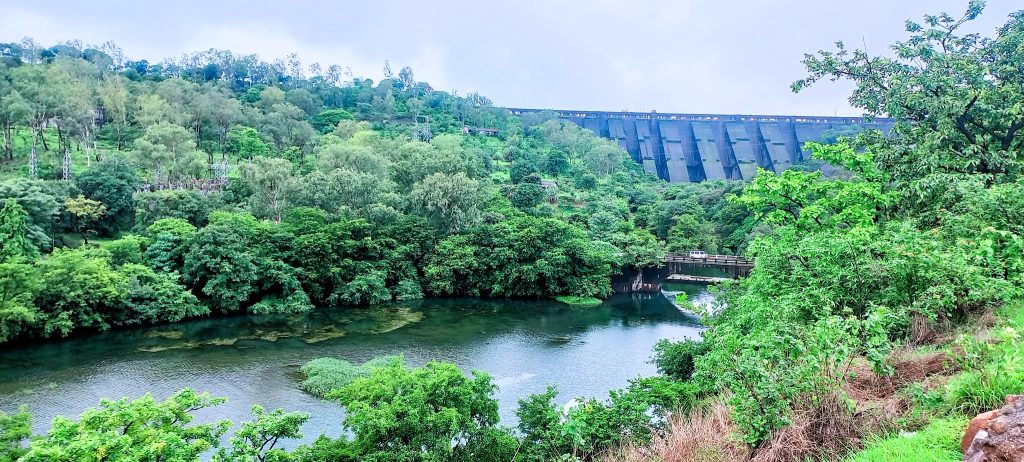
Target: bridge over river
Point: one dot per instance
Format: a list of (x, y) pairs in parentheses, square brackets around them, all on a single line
[(697, 147), (680, 267)]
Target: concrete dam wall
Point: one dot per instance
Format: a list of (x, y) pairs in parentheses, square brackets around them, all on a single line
[(698, 147)]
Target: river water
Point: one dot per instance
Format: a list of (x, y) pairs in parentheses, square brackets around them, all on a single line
[(524, 345)]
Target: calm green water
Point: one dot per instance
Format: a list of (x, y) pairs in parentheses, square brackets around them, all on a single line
[(524, 345)]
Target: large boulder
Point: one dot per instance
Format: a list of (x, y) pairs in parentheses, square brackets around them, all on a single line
[(996, 436)]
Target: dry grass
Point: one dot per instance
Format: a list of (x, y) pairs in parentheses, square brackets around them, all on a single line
[(823, 430), (924, 331), (827, 430), (878, 398), (704, 435), (865, 385)]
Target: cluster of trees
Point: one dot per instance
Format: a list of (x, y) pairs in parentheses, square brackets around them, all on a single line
[(222, 184), (205, 107), (173, 269)]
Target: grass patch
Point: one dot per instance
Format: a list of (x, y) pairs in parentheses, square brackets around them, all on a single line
[(578, 301), (938, 442), (993, 365), (1013, 314), (501, 177)]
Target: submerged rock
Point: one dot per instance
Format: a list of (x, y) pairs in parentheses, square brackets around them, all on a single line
[(327, 333), (168, 334), (394, 319), (273, 335), (193, 344)]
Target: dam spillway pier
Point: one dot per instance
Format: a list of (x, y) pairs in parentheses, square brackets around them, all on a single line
[(697, 147)]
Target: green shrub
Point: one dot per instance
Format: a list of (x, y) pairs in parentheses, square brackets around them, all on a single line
[(591, 426), (408, 289), (938, 442), (127, 249), (429, 413), (324, 375), (15, 430), (676, 359)]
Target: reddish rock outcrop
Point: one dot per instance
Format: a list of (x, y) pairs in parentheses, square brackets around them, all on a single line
[(997, 436), (977, 424)]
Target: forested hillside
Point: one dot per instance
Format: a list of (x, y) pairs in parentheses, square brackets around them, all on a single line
[(141, 193)]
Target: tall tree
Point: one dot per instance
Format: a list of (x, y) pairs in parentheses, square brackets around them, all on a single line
[(14, 240), (169, 151), (14, 111), (956, 97), (18, 313), (449, 202), (220, 111), (112, 182), (273, 184), (40, 202), (115, 98), (85, 214), (34, 84)]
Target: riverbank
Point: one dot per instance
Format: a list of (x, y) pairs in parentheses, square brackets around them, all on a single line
[(918, 413)]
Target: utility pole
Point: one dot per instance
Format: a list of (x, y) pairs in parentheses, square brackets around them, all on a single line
[(33, 158), (67, 164)]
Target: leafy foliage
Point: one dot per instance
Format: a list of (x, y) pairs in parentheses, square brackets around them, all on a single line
[(15, 429), (14, 242), (132, 430), (300, 192), (256, 440), (385, 411)]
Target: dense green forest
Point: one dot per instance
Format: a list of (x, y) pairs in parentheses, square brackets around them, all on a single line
[(883, 300)]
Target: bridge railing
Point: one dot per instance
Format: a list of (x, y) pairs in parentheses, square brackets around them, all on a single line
[(712, 259)]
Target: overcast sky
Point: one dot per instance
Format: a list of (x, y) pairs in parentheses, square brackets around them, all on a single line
[(709, 56)]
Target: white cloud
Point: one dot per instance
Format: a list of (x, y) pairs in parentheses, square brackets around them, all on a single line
[(672, 55)]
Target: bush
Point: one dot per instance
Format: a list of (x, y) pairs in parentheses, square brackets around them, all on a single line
[(589, 426), (15, 430), (171, 239), (128, 249), (324, 375), (111, 182), (1013, 314), (155, 297), (408, 289), (365, 289), (676, 359), (434, 412)]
